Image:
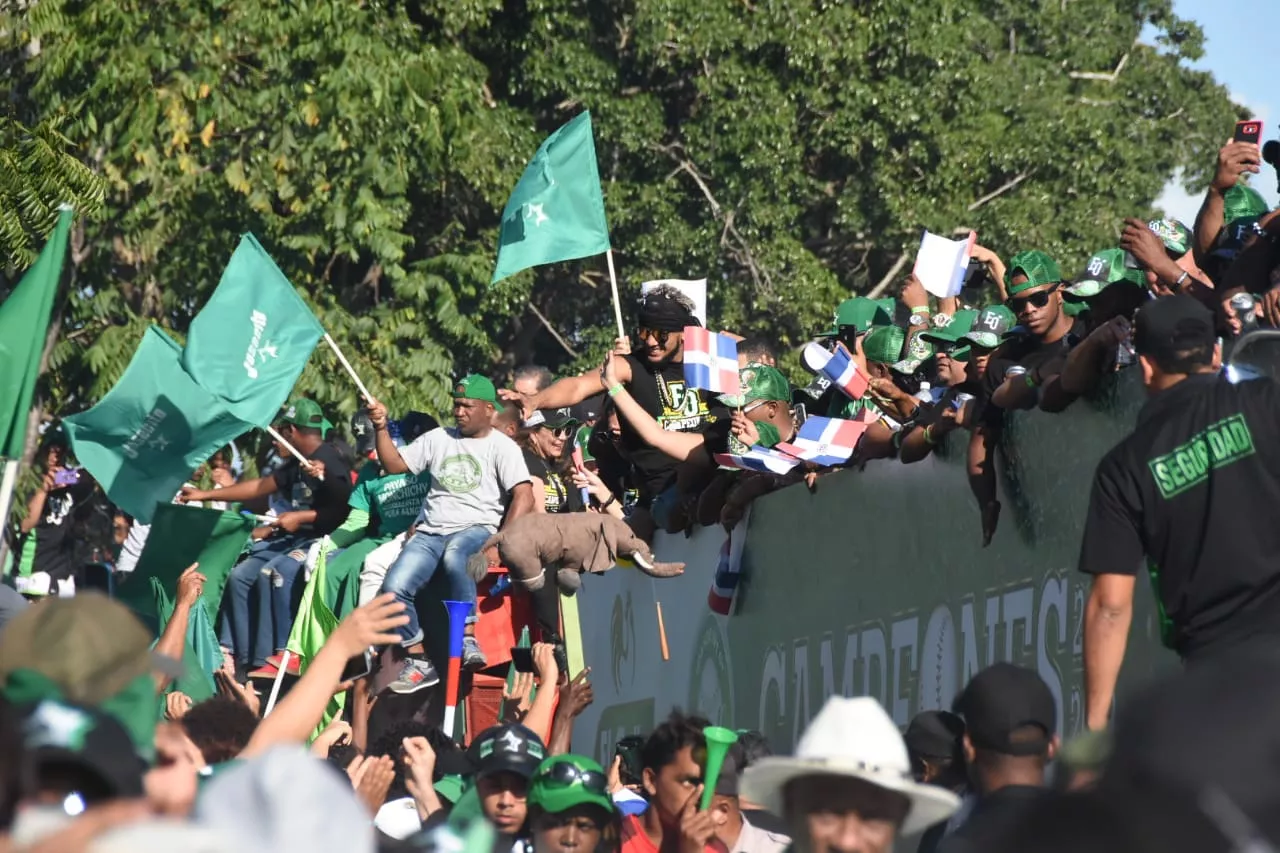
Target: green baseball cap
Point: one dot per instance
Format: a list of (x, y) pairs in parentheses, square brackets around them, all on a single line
[(883, 344), (305, 413), (918, 352), (1104, 268), (476, 387), (562, 782), (961, 322), (450, 787), (861, 313), (1175, 236), (1039, 268), (759, 382), (991, 324), (1242, 202)]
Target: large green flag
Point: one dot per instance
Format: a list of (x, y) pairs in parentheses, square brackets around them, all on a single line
[(312, 627), (556, 212), (24, 322), (144, 439), (250, 342)]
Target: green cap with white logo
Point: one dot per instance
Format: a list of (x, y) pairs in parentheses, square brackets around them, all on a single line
[(1039, 268), (476, 387), (1104, 268)]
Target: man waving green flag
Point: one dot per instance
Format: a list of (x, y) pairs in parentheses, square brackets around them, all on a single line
[(556, 211), (250, 342)]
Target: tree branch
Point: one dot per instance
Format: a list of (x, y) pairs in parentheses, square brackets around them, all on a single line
[(889, 276), (1000, 190), (552, 329), (1104, 76)]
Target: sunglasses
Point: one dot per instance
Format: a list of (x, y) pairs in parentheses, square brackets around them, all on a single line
[(560, 432), (1035, 300), (565, 775), (660, 337)]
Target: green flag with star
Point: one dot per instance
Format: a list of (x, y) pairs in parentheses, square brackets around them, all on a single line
[(556, 211), (250, 342), (24, 322), (150, 432)]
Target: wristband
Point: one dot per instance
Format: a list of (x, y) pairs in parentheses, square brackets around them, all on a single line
[(616, 390), (928, 435), (1177, 285), (613, 499), (923, 309)]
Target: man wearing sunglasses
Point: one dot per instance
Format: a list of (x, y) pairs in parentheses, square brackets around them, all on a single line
[(1034, 284), (654, 376)]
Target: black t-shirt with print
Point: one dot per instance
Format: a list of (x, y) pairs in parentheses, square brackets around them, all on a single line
[(53, 540), (560, 494), (328, 498), (660, 391), (1194, 489)]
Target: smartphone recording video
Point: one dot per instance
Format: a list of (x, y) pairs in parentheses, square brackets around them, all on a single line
[(1248, 131), (358, 667)]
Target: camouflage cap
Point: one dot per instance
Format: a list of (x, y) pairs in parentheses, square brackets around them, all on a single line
[(1104, 268), (1242, 202), (1175, 236), (759, 382), (960, 323), (1039, 268)]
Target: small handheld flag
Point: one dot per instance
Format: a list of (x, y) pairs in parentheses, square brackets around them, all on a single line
[(825, 441), (839, 367), (758, 459), (710, 361)]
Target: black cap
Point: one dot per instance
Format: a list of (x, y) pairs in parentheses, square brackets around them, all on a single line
[(934, 734), (414, 424), (588, 411), (1002, 699), (1172, 324), (551, 418), (507, 749), (59, 734)]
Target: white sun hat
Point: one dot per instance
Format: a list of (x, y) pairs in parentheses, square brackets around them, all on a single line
[(854, 738)]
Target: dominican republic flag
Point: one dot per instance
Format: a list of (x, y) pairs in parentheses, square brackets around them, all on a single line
[(837, 366), (729, 568), (758, 459), (825, 441), (710, 361)]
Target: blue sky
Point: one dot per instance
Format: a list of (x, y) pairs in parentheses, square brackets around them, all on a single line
[(1242, 50)]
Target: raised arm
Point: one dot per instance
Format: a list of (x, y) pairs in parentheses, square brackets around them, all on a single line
[(388, 453), (240, 492), (574, 389), (173, 641), (677, 445), (1235, 159)]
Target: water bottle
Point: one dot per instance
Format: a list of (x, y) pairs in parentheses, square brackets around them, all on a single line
[(396, 433)]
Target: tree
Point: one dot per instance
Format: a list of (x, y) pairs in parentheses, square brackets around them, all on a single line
[(789, 151)]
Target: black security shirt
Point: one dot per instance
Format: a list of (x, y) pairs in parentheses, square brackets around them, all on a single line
[(1195, 489), (993, 817)]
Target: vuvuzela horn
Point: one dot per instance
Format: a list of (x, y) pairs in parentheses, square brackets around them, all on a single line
[(719, 739)]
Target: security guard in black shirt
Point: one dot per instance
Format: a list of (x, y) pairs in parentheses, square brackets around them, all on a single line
[(1194, 490)]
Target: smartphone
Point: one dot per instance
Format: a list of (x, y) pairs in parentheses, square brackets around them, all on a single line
[(67, 477), (358, 667), (800, 413), (522, 659), (1248, 131)]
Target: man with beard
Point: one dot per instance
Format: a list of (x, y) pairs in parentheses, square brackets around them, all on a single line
[(654, 376)]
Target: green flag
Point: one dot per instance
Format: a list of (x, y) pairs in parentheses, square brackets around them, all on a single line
[(147, 436), (556, 212), (24, 322), (250, 342), (312, 627)]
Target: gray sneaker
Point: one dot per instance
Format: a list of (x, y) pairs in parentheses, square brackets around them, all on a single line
[(472, 657), (416, 674)]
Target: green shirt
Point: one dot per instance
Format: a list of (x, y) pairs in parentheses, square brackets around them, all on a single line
[(396, 499)]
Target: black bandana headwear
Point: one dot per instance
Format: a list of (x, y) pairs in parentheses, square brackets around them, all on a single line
[(666, 309)]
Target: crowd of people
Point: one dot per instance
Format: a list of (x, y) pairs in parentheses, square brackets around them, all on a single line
[(408, 503)]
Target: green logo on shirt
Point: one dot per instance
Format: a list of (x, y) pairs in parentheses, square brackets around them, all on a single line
[(1188, 465), (459, 474)]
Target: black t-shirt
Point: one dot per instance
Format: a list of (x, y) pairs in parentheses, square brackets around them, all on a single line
[(992, 818), (328, 497), (1194, 489), (560, 494), (50, 546), (660, 391), (1029, 352)]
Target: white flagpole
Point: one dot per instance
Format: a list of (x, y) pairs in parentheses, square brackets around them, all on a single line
[(617, 303), (275, 687), (351, 371), (297, 454), (7, 485)]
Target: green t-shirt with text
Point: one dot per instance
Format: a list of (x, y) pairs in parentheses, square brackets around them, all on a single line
[(395, 499)]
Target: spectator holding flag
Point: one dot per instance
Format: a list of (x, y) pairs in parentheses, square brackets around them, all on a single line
[(318, 495), (654, 376), (477, 475)]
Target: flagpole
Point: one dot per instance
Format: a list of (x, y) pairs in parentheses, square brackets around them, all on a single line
[(7, 485), (297, 454), (351, 371), (275, 687), (617, 302)]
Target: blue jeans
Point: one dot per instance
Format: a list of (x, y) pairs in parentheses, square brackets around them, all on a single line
[(256, 630), (417, 564)]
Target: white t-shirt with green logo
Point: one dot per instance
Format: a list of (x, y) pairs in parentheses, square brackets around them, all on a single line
[(470, 478)]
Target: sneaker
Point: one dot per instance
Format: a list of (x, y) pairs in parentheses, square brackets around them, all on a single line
[(416, 674), (472, 657), (295, 662), (272, 667)]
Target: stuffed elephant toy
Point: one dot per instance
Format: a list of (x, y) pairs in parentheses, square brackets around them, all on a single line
[(571, 543)]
